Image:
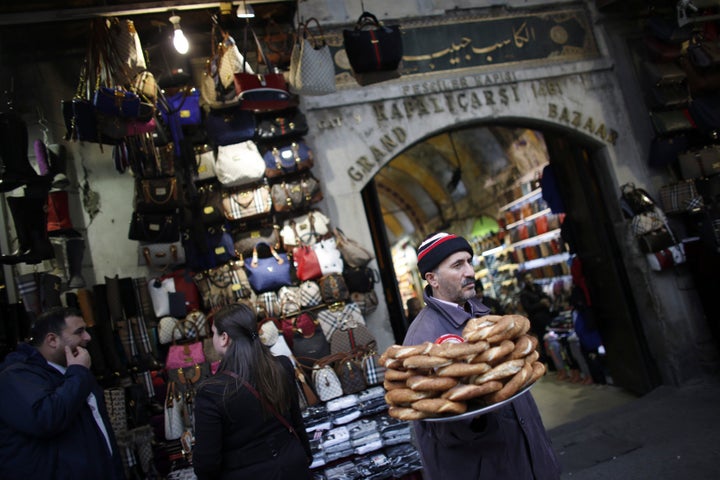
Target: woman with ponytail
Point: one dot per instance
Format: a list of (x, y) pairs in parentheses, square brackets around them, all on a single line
[(247, 416)]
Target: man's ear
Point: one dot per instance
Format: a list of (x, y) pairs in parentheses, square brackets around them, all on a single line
[(51, 340), (431, 279)]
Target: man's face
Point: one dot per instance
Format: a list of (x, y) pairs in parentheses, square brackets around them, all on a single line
[(454, 279), (73, 335)]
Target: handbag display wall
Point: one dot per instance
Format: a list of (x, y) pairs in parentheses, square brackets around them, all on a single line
[(239, 164)]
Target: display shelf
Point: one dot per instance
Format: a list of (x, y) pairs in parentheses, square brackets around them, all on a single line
[(528, 218), (537, 239), (525, 198), (493, 251), (541, 262), (545, 280)]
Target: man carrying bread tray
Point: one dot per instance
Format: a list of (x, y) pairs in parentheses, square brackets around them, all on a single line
[(509, 442)]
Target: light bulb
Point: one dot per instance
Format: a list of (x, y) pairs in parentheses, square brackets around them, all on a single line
[(179, 41), (245, 11)]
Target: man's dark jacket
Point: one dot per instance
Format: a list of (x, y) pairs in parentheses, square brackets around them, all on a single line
[(47, 430)]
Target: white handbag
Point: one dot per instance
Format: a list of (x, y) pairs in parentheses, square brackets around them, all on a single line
[(328, 256), (310, 294), (309, 228), (174, 413), (327, 384), (205, 163), (239, 164), (159, 290)]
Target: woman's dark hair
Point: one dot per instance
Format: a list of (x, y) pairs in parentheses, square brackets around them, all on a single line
[(252, 361), (50, 321)]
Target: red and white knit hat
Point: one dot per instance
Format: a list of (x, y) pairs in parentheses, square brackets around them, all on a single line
[(437, 247)]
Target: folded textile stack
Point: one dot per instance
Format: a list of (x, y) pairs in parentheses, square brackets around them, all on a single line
[(403, 459), (372, 401), (374, 467), (393, 431), (364, 436), (343, 471), (316, 418), (317, 452)]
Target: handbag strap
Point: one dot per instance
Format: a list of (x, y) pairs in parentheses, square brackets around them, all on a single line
[(260, 49), (170, 194), (263, 402), (313, 37), (367, 19)]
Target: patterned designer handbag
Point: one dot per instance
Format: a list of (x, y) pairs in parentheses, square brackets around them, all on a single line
[(351, 339), (350, 373), (246, 238), (680, 197), (239, 164), (268, 304), (360, 279), (281, 125), (291, 158), (270, 273), (312, 69), (156, 195), (154, 227), (372, 370), (210, 201), (159, 163), (297, 194), (334, 318), (223, 285), (174, 413), (333, 288), (306, 229), (366, 302), (310, 294), (328, 256), (326, 382), (243, 204), (158, 255), (289, 297)]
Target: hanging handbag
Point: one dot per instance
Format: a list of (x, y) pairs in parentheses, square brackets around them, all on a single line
[(700, 163), (278, 44), (310, 294), (289, 298), (366, 302), (183, 106), (309, 342), (307, 266), (257, 91), (333, 288), (153, 195), (268, 273), (360, 279), (647, 222), (350, 373), (239, 164), (242, 203), (204, 163), (291, 158), (210, 201), (328, 257), (58, 212), (267, 304), (230, 126), (159, 290), (154, 227), (680, 197), (306, 229), (326, 382), (208, 247), (160, 255), (373, 371), (353, 254), (635, 200), (282, 125), (372, 47), (223, 285), (296, 194), (158, 162), (185, 286), (352, 339), (184, 355), (116, 102), (245, 238), (312, 69), (339, 317), (666, 258), (174, 413)]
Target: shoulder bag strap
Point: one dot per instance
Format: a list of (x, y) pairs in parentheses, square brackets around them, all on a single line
[(265, 404)]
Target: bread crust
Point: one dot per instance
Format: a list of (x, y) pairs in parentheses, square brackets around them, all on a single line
[(425, 361), (440, 406), (464, 392), (431, 383), (407, 413), (405, 396), (504, 370), (512, 386), (462, 369)]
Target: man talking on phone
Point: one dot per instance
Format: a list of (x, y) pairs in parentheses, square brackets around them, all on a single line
[(53, 420)]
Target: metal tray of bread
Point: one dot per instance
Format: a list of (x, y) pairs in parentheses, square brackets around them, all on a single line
[(478, 411)]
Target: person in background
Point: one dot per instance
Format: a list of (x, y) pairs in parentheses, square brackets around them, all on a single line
[(413, 308), (509, 442), (247, 416), (536, 304), (494, 305), (53, 420)]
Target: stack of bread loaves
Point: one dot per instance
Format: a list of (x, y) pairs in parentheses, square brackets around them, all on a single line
[(496, 360)]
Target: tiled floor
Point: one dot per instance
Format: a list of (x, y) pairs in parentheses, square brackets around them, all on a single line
[(561, 401)]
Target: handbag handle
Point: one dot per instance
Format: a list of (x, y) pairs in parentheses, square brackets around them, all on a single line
[(255, 259), (266, 61), (367, 19), (306, 31), (151, 198)]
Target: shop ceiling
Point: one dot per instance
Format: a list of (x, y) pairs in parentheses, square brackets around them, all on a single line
[(447, 181)]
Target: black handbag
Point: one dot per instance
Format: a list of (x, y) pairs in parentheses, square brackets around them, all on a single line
[(154, 227), (280, 125), (635, 201), (373, 47), (359, 279)]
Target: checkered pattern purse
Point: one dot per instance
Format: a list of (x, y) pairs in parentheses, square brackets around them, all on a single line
[(332, 319), (241, 204), (310, 294), (680, 197)]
